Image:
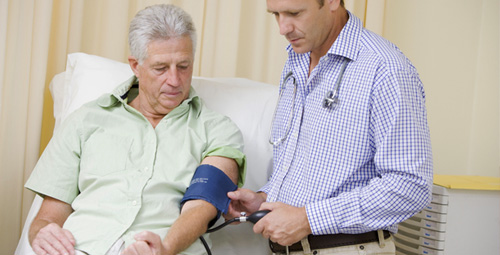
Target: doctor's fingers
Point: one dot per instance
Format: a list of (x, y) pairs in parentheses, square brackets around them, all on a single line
[(278, 236), (266, 232), (231, 213), (234, 209), (276, 231), (238, 194), (261, 227), (245, 196), (247, 199)]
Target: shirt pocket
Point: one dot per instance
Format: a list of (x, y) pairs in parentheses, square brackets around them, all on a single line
[(104, 154)]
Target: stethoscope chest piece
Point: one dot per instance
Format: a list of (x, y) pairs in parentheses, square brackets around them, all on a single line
[(331, 100)]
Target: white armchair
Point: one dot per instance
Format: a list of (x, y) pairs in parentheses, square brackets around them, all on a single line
[(248, 103)]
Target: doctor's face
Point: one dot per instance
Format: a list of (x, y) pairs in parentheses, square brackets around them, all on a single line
[(166, 73), (304, 23)]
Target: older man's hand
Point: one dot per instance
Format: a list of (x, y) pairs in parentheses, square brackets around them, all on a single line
[(52, 239), (147, 243)]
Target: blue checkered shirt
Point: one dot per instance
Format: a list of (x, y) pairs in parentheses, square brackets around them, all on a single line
[(365, 164)]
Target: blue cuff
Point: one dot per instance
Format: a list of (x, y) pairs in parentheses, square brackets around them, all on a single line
[(209, 183)]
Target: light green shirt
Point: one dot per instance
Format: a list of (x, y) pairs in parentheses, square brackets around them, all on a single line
[(121, 175)]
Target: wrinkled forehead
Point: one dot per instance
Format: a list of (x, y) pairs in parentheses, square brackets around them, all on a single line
[(170, 51)]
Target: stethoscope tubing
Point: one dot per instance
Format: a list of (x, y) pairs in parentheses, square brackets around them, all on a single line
[(292, 112), (330, 101)]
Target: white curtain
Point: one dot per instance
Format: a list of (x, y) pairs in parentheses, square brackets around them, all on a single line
[(24, 45), (238, 38)]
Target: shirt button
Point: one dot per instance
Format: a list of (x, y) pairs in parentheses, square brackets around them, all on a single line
[(146, 169), (134, 203)]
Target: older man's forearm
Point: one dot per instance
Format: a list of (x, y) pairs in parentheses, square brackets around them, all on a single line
[(191, 224)]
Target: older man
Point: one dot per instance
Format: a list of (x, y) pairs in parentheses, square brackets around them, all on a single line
[(114, 176)]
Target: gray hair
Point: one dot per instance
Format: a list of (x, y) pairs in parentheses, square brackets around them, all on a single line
[(158, 22)]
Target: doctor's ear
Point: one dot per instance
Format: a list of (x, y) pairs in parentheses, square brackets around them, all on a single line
[(334, 4)]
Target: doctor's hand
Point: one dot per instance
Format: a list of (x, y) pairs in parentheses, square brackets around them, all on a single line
[(147, 243), (52, 239), (244, 200), (285, 224)]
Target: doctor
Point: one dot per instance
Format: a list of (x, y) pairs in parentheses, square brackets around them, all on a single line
[(352, 151)]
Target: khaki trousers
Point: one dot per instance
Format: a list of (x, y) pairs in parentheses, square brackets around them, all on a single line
[(382, 247)]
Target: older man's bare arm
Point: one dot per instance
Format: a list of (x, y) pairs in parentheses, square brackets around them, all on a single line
[(46, 234)]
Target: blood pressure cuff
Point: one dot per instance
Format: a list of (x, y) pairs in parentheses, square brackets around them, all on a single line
[(209, 183)]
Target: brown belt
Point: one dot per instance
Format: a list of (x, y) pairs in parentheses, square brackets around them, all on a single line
[(330, 241)]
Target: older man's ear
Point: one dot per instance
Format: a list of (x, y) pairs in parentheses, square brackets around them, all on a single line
[(134, 63)]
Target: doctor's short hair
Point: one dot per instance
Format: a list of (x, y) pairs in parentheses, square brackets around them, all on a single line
[(158, 22), (322, 2)]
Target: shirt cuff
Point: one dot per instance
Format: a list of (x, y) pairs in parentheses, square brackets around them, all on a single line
[(321, 218)]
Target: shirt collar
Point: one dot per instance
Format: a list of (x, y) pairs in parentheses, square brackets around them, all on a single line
[(120, 94)]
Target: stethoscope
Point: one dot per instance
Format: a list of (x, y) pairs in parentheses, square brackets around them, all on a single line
[(330, 101)]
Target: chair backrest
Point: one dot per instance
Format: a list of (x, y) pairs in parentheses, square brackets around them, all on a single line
[(248, 103)]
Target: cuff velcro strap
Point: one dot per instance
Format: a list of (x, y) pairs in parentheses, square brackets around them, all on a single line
[(209, 183)]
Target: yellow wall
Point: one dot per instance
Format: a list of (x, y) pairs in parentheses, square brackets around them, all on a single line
[(455, 47)]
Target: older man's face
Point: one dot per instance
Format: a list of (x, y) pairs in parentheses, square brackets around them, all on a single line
[(165, 76)]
